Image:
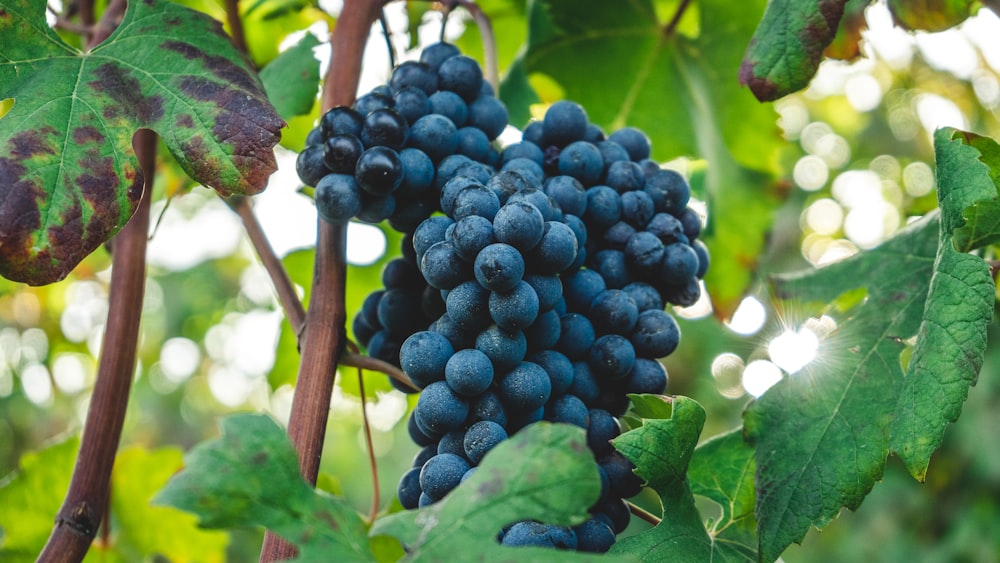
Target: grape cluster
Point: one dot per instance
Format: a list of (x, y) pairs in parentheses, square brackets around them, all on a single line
[(532, 282)]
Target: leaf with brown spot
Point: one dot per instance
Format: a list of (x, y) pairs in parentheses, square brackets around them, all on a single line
[(69, 179)]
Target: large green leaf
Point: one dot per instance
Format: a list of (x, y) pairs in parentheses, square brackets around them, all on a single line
[(250, 477), (661, 450), (545, 473), (68, 177), (682, 89), (30, 498), (788, 46), (722, 469), (951, 343), (822, 435)]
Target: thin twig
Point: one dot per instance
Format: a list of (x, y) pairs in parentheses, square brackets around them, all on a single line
[(109, 21), (354, 359), (236, 25), (388, 39), (376, 499), (674, 21), (283, 286), (86, 10), (643, 514), (489, 40)]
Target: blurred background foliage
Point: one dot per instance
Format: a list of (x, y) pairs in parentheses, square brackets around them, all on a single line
[(854, 165)]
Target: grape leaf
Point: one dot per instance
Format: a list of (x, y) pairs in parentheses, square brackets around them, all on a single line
[(981, 228), (788, 46), (138, 475), (929, 15), (31, 496), (291, 80), (250, 477), (722, 469), (951, 343), (68, 178), (846, 45), (544, 472), (682, 90), (661, 450)]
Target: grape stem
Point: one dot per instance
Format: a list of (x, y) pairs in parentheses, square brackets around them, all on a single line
[(486, 32), (676, 19), (374, 364), (376, 500), (236, 26), (643, 514), (323, 338)]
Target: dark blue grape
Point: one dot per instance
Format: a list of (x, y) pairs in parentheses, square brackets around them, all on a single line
[(488, 114), (399, 273), (413, 74), (568, 192), (568, 409), (544, 332), (337, 198), (624, 176), (315, 137), (603, 428), (669, 190), (624, 482), (488, 407), (373, 101), (604, 207), (399, 311), (594, 536), (611, 152), (410, 212), (655, 335), (431, 302), (482, 437), (611, 357), (648, 376), (418, 172), (508, 183), (450, 105), (577, 336), (430, 232), (435, 54), (527, 168), (408, 490), (617, 513), (452, 443), (611, 265), (564, 122), (469, 372), (525, 388), (558, 367), (468, 306), (515, 309), (439, 409), (425, 501), (617, 235), (362, 331), (451, 189), (703, 258), (537, 534), (341, 120), (556, 250), (419, 436), (534, 133), (379, 170), (637, 208), (462, 75), (684, 295), (458, 336), (546, 206), (375, 209), (645, 296), (644, 253), (423, 357), (341, 153), (309, 165), (434, 134), (472, 142), (585, 384), (369, 308), (680, 263), (441, 474), (471, 235), (692, 223), (475, 200), (442, 266), (667, 228), (504, 348), (423, 455), (548, 288), (498, 267), (634, 141), (613, 311), (411, 103), (523, 149), (519, 224)]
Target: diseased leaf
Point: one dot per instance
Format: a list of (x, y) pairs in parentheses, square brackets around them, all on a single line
[(682, 90), (68, 177), (788, 46), (846, 45), (821, 435), (31, 496), (929, 15), (951, 343), (661, 450), (292, 79), (250, 477), (544, 472)]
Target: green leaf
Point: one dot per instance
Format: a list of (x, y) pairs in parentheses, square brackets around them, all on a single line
[(929, 15), (137, 476), (681, 90), (30, 498), (69, 179), (545, 472), (951, 343), (250, 477), (722, 469), (292, 79), (982, 226), (821, 435), (788, 46), (661, 450)]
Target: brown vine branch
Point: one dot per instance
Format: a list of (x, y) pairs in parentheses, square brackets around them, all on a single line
[(323, 337), (283, 286), (354, 359), (87, 500), (643, 514), (674, 21), (236, 32)]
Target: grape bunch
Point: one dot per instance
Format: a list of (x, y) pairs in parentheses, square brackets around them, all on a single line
[(532, 282)]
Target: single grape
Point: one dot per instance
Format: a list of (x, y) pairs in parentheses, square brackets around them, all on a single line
[(337, 198)]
